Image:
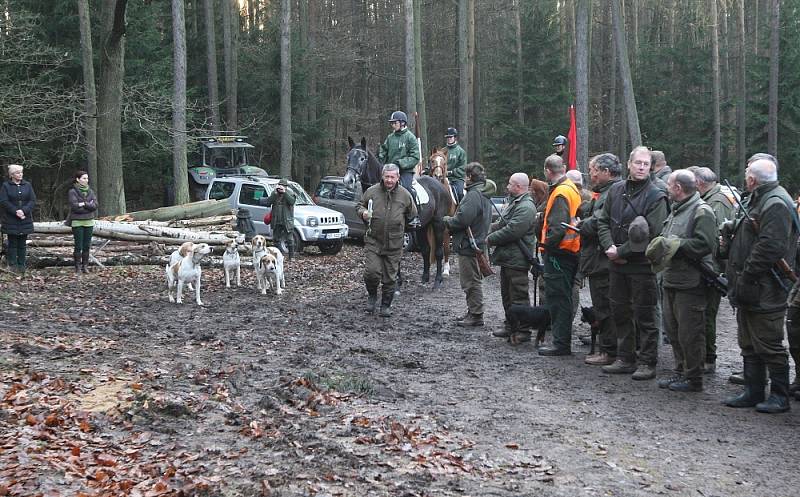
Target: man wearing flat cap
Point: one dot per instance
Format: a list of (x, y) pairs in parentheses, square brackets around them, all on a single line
[(633, 214), (282, 201), (686, 241)]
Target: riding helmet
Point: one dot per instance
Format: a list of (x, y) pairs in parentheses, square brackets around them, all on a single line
[(560, 140), (451, 132), (398, 115)]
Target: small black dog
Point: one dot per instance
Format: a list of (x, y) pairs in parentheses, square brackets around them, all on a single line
[(589, 317), (521, 317)]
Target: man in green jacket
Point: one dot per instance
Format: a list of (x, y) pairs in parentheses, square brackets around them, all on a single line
[(633, 214), (282, 201), (712, 194), (687, 240), (604, 171), (516, 223), (475, 214), (386, 208), (456, 162), (401, 148), (754, 246)]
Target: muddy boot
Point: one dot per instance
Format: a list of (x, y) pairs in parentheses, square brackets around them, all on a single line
[(687, 385), (85, 262), (755, 379), (76, 257), (505, 332), (778, 400), (372, 299), (472, 320), (386, 304)]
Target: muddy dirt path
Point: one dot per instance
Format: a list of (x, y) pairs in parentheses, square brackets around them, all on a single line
[(304, 394)]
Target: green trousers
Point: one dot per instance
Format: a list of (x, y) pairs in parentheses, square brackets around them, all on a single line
[(469, 276), (559, 275), (83, 238), (607, 334), (17, 251), (685, 320), (513, 287)]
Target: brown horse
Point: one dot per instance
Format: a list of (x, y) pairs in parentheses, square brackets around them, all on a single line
[(438, 169)]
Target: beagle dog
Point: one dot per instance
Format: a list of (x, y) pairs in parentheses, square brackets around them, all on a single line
[(231, 263), (269, 271), (186, 270), (259, 246)]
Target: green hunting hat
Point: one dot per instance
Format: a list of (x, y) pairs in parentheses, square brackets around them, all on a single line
[(660, 251), (638, 234), (490, 188), (283, 182)]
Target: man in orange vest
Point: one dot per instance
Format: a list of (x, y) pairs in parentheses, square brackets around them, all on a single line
[(561, 253)]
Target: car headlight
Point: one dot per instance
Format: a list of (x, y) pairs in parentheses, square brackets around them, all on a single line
[(312, 222)]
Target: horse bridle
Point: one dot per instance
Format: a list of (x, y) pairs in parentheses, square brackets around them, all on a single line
[(356, 172)]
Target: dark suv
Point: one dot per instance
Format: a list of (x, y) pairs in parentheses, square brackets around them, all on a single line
[(333, 194)]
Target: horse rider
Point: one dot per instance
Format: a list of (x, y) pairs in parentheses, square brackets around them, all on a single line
[(386, 209), (401, 148), (456, 163), (560, 145)]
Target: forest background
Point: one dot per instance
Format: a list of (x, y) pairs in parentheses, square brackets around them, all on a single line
[(124, 88)]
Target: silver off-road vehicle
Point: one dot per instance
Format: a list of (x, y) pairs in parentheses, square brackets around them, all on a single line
[(313, 225)]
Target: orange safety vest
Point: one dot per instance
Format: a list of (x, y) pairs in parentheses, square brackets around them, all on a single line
[(572, 239)]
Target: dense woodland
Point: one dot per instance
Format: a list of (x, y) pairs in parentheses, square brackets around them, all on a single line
[(124, 88)]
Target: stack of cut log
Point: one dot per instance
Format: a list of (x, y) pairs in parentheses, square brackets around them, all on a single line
[(138, 238)]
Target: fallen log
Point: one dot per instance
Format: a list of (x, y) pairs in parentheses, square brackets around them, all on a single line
[(203, 208), (141, 232)]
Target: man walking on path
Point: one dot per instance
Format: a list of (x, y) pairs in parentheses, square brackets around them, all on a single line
[(685, 243), (633, 214), (756, 244), (386, 208)]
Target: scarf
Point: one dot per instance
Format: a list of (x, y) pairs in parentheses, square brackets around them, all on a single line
[(84, 190)]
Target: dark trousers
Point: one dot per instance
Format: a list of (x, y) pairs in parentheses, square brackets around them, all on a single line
[(714, 299), (761, 334), (83, 238), (513, 287), (458, 189), (633, 304), (607, 334), (17, 250), (284, 238), (381, 268), (469, 276), (685, 320), (406, 179), (559, 275)]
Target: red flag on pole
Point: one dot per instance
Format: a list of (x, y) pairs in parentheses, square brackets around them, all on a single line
[(572, 136)]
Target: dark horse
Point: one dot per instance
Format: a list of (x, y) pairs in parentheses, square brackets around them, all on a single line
[(363, 166)]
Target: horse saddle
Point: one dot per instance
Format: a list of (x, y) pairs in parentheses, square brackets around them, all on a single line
[(422, 193)]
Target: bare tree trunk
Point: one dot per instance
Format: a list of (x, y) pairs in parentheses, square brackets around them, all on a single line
[(230, 23), (625, 74), (520, 78), (179, 172), (420, 82), (110, 180), (715, 83), (211, 65), (411, 85), (582, 81), (741, 104), (316, 162), (286, 88), (472, 150), (464, 75), (612, 90), (90, 105), (774, 58)]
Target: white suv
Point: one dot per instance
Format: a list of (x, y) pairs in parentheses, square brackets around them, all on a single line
[(313, 225)]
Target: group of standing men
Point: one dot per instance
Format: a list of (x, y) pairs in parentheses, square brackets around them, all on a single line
[(651, 243)]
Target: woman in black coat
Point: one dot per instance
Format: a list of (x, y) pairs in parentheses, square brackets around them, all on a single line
[(16, 213), (82, 211)]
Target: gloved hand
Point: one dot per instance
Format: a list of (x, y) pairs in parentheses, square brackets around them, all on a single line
[(537, 269), (446, 220), (747, 291), (414, 223)]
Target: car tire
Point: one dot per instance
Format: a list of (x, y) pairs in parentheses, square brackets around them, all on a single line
[(331, 248)]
